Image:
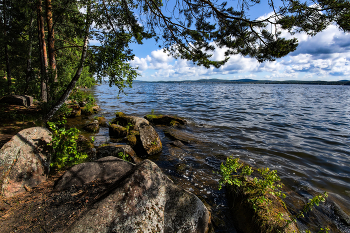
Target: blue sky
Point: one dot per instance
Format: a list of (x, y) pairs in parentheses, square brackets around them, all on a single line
[(325, 56)]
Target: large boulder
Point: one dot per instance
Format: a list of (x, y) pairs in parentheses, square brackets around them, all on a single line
[(23, 100), (143, 200), (24, 161), (150, 139)]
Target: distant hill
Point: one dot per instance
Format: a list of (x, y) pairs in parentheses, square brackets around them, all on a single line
[(252, 81)]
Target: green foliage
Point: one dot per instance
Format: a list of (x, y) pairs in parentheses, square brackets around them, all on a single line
[(123, 156), (128, 126), (64, 146), (258, 189)]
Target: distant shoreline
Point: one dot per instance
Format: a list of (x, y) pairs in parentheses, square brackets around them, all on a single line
[(251, 81)]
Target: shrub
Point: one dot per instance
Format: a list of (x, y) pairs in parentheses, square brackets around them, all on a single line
[(64, 146)]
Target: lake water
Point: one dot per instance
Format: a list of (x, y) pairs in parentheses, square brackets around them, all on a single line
[(302, 131)]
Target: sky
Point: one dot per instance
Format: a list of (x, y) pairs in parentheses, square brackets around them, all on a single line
[(325, 57)]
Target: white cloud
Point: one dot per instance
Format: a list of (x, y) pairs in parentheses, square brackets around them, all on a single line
[(325, 56)]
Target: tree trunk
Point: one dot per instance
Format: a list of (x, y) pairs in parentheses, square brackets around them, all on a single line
[(8, 70), (29, 61), (7, 58), (43, 53), (76, 77), (51, 39)]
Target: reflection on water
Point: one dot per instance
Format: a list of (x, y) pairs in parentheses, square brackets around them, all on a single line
[(300, 130)]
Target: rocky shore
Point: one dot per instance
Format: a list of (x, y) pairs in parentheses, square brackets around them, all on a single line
[(109, 194)]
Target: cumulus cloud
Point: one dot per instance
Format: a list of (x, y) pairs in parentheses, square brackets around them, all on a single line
[(325, 56)]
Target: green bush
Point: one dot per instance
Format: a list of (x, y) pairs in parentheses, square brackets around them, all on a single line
[(64, 146)]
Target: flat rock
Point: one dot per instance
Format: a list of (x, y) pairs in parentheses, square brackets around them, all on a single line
[(124, 120), (24, 161), (165, 120), (105, 169), (144, 201), (117, 131), (93, 126)]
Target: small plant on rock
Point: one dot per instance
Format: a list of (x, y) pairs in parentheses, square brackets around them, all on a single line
[(123, 156)]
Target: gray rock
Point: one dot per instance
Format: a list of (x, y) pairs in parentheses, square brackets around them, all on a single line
[(24, 161), (144, 201), (150, 139), (105, 169), (24, 100)]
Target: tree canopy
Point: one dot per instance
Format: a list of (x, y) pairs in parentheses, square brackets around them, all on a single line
[(45, 44)]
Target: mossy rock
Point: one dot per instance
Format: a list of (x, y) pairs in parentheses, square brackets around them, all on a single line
[(117, 131), (266, 219), (102, 121), (92, 127), (87, 110), (165, 120)]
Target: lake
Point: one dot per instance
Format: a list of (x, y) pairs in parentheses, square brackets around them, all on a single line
[(302, 131)]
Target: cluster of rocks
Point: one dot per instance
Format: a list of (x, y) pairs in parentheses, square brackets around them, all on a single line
[(81, 108), (135, 198)]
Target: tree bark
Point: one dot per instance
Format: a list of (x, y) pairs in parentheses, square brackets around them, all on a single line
[(43, 52), (51, 39), (76, 77)]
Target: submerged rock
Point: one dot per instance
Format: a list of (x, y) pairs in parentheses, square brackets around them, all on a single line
[(144, 200), (182, 136), (24, 161), (165, 120)]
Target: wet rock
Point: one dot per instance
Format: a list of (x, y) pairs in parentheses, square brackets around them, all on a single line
[(24, 161), (105, 151), (124, 120), (107, 168), (93, 126), (182, 136), (117, 131), (341, 214), (150, 139), (96, 108), (23, 100), (144, 200), (165, 120), (246, 220), (177, 143), (102, 121)]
